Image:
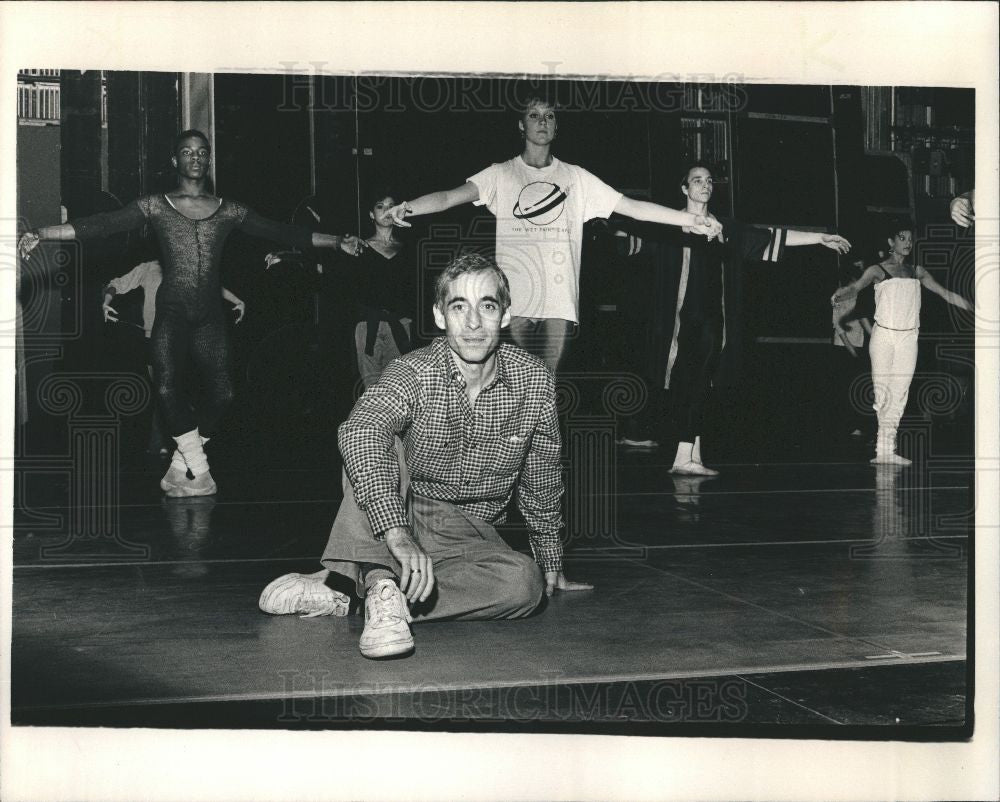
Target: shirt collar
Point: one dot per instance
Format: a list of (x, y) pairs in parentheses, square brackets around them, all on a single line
[(454, 376)]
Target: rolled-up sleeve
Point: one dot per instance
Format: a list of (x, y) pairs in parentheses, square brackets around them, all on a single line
[(134, 278), (367, 444), (541, 488)]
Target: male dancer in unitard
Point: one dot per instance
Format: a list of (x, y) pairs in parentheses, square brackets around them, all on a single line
[(191, 225)]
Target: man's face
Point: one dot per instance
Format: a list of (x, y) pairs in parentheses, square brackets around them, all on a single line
[(539, 124), (699, 185), (472, 316), (192, 157)]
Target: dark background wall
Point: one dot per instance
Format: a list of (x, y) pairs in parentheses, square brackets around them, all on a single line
[(796, 156)]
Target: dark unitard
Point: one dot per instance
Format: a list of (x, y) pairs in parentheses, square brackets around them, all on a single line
[(704, 300), (189, 319), (695, 336)]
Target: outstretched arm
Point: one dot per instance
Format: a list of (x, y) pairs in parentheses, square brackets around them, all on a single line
[(855, 287), (239, 307), (951, 297), (832, 241), (435, 202), (654, 213), (30, 239), (299, 236), (91, 227), (962, 208)]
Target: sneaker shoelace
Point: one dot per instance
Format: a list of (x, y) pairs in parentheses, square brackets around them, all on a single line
[(388, 610)]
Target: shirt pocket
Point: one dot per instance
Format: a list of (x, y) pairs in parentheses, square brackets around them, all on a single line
[(507, 457)]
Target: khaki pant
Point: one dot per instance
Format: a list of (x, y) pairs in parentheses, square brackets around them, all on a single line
[(477, 576)]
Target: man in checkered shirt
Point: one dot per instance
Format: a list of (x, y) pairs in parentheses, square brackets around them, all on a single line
[(433, 451)]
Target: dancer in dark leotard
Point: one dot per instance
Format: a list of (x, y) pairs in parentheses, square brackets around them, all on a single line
[(191, 226), (387, 294), (147, 276)]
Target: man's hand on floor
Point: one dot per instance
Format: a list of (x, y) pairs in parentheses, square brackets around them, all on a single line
[(556, 580)]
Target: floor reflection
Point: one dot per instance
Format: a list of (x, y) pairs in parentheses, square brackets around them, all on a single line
[(190, 522), (687, 495)]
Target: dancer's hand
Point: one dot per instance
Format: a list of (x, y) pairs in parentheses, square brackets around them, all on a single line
[(240, 308), (556, 580), (352, 245), (110, 315), (416, 578), (271, 260), (708, 225), (400, 211), (28, 242), (847, 343), (961, 211), (835, 242)]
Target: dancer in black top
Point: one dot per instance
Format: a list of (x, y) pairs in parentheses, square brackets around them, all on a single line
[(387, 293), (191, 225), (699, 289)]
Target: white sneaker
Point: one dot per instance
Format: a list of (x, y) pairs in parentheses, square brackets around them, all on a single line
[(692, 468), (303, 593), (387, 618), (203, 485), (890, 459)]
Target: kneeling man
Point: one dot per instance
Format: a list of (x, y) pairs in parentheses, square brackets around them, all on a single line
[(433, 451)]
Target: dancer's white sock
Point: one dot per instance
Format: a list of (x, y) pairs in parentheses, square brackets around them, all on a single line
[(684, 453), (190, 446), (696, 450), (177, 462)]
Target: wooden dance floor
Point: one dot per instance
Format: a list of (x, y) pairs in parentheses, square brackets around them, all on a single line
[(784, 594)]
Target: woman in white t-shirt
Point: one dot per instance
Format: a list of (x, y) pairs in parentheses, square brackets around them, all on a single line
[(541, 204), (893, 345)]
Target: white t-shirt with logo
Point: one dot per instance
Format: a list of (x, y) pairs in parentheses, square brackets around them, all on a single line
[(540, 213)]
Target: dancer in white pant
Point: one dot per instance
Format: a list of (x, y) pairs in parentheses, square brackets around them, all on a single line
[(893, 345)]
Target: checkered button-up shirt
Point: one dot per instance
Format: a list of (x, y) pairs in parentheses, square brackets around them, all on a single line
[(470, 456)]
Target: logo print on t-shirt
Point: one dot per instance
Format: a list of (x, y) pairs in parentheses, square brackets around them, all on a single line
[(540, 203)]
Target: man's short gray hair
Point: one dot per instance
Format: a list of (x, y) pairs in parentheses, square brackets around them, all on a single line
[(471, 263)]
